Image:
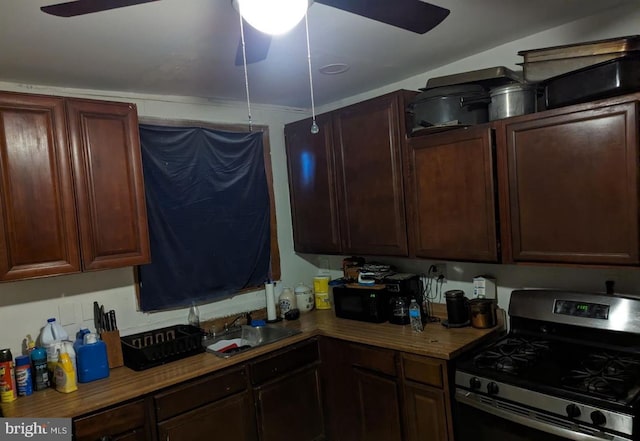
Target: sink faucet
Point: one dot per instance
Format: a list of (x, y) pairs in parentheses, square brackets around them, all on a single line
[(246, 315)]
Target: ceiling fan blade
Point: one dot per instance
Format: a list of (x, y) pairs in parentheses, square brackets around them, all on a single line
[(412, 15), (81, 7), (256, 45)]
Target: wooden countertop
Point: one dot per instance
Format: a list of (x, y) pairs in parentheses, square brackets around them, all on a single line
[(124, 384)]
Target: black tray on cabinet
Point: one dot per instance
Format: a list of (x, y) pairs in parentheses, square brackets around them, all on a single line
[(603, 80)]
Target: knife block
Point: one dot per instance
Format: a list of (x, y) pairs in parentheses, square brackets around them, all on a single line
[(114, 348)]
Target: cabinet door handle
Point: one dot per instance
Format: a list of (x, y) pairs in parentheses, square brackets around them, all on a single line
[(105, 438)]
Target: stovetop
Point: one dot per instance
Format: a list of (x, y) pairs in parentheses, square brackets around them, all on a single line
[(570, 366), (603, 377)]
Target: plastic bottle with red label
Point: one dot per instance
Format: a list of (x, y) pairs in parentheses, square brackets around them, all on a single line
[(8, 391)]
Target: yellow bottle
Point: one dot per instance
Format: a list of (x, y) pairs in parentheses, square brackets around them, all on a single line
[(65, 374)]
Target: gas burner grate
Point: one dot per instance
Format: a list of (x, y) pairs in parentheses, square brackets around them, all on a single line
[(512, 354), (609, 375)]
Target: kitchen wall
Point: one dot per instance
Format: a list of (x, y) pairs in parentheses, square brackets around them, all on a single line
[(25, 305)]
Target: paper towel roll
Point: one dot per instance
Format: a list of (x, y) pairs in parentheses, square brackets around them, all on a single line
[(271, 301)]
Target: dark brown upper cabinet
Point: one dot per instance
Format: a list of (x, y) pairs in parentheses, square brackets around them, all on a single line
[(451, 195), (368, 139), (346, 183), (107, 166), (71, 191), (570, 185), (38, 232), (312, 188)]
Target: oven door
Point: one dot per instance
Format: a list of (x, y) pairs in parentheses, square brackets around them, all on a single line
[(478, 421)]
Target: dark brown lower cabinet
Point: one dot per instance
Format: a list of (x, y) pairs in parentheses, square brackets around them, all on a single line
[(426, 398), (361, 392), (373, 394), (123, 422), (229, 418), (286, 386), (217, 405), (425, 413), (378, 406), (290, 408)]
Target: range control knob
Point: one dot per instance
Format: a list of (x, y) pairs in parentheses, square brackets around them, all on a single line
[(573, 411), (492, 388), (475, 383), (598, 418)]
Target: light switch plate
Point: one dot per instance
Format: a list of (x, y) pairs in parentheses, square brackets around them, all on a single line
[(67, 313), (87, 311)]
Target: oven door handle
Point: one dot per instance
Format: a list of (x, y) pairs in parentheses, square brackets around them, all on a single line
[(466, 397)]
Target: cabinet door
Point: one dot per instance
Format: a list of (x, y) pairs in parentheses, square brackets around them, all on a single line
[(228, 419), (107, 165), (38, 232), (573, 186), (360, 391), (124, 422), (425, 413), (451, 196), (379, 406), (314, 207), (367, 141), (290, 408)]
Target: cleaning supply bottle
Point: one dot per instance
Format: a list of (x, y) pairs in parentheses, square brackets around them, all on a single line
[(24, 380), (65, 374), (29, 344), (92, 359), (80, 339), (415, 316), (40, 372), (51, 339), (8, 391)]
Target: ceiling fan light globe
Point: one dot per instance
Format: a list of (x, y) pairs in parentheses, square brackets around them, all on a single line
[(273, 17)]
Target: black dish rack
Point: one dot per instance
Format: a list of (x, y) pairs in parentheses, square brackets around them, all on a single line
[(153, 348)]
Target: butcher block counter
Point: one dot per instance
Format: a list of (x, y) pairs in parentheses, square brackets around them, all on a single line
[(125, 384)]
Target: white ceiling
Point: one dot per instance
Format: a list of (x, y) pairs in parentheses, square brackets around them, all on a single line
[(187, 47)]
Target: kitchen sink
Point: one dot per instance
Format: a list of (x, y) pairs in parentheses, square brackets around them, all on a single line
[(243, 338)]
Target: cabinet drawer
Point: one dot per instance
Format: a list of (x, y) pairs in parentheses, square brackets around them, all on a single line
[(198, 393), (423, 370), (111, 422), (285, 361), (375, 359)]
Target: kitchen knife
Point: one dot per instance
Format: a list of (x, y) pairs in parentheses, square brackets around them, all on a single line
[(103, 319), (97, 317), (112, 320)]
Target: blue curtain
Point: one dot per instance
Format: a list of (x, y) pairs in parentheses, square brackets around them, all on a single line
[(208, 210)]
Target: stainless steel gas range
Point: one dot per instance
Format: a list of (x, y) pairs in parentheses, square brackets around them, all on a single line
[(569, 368)]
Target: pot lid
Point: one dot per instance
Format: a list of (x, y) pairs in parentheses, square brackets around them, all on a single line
[(454, 293), (451, 91), (489, 77)]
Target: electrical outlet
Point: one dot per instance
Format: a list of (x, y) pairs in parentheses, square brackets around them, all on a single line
[(440, 270)]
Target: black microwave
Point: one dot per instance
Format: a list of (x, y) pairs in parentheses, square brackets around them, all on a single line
[(364, 303)]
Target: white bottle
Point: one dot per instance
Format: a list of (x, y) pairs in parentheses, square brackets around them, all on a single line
[(52, 337), (414, 316)]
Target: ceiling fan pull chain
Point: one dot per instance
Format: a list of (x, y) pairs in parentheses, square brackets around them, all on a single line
[(246, 75), (314, 127)]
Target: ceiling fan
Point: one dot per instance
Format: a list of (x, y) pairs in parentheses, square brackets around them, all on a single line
[(411, 15)]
